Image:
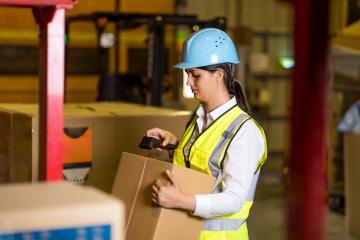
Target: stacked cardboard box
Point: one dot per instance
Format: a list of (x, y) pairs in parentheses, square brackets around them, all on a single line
[(352, 179), (101, 130), (59, 211), (143, 219)]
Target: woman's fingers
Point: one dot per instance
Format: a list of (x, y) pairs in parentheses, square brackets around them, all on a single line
[(155, 132), (172, 179), (165, 136), (155, 193), (155, 197), (166, 195), (165, 142), (155, 188)]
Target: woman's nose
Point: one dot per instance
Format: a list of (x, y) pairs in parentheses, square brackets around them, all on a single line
[(189, 81)]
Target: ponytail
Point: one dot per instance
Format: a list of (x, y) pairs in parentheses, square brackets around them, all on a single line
[(238, 91)]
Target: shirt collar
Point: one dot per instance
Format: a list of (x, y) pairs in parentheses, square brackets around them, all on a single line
[(217, 112)]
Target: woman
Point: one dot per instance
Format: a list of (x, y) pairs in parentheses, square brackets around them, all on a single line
[(220, 139)]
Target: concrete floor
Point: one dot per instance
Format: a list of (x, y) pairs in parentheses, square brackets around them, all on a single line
[(267, 217)]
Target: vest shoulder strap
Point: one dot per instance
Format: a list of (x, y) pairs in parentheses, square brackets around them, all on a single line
[(231, 139), (192, 116)]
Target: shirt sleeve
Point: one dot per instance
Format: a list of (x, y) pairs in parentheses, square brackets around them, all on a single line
[(240, 163)]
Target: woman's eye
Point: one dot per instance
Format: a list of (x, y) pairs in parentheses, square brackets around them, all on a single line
[(196, 76)]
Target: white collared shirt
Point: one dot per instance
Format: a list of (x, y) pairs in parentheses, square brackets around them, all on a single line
[(240, 163)]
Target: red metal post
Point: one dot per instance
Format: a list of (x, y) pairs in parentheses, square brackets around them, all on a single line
[(52, 22), (40, 3), (310, 100), (51, 18)]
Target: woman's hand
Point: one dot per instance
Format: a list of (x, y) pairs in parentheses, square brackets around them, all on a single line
[(166, 137), (171, 195)]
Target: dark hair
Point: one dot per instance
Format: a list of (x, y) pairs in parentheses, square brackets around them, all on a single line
[(233, 86)]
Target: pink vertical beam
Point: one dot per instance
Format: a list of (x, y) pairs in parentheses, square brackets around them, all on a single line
[(310, 101), (52, 22), (41, 3)]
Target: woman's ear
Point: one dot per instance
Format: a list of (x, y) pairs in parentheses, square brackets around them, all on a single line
[(219, 76)]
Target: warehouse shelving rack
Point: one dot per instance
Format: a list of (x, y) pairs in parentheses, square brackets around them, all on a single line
[(156, 23), (265, 36)]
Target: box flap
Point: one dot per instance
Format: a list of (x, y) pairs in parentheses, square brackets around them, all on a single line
[(144, 221), (192, 182), (128, 182), (148, 221)]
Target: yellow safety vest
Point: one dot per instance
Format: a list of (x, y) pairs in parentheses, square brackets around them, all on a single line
[(206, 155)]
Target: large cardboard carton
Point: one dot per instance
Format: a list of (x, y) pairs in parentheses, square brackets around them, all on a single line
[(144, 220), (107, 130), (5, 132), (59, 211), (352, 179)]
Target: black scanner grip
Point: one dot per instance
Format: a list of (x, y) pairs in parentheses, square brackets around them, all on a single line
[(150, 143)]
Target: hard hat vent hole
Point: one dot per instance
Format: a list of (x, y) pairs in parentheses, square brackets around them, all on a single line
[(216, 45)]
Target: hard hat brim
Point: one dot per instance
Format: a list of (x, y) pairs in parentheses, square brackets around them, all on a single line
[(185, 65)]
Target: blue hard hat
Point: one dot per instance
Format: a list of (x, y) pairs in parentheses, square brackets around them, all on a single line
[(208, 46)]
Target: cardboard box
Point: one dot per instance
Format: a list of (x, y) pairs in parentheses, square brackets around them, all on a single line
[(59, 211), (143, 219), (113, 128), (5, 130), (352, 179)]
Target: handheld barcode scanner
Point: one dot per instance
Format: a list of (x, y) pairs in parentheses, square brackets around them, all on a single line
[(151, 143)]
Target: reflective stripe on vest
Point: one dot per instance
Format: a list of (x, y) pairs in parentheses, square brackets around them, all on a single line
[(233, 221), (207, 154)]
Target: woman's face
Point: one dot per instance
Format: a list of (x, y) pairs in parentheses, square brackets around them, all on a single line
[(204, 84)]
